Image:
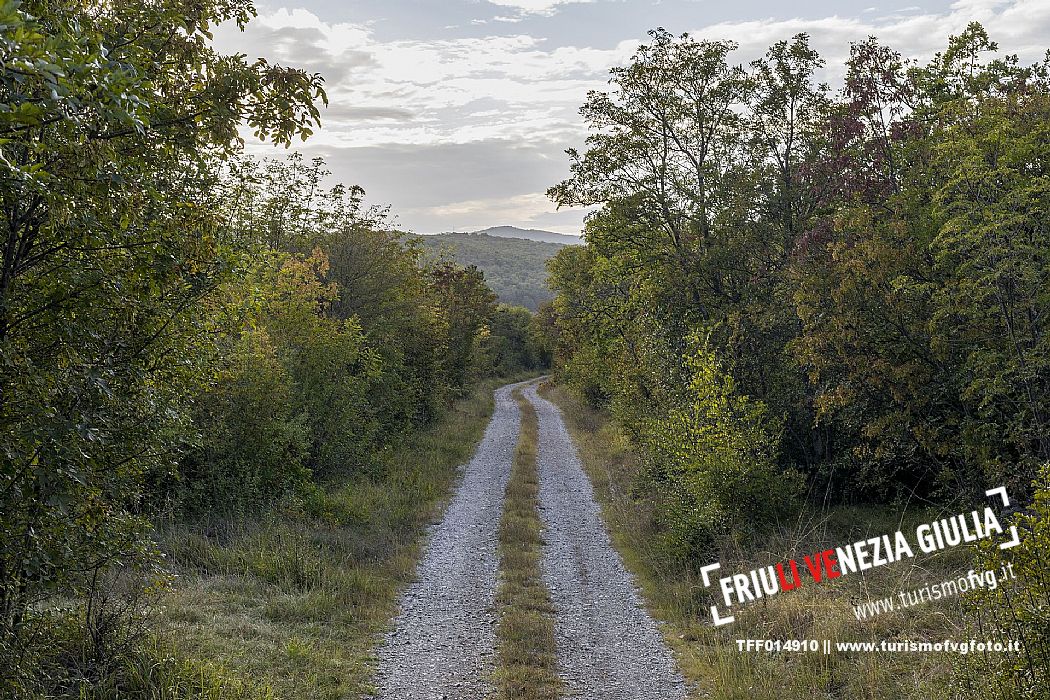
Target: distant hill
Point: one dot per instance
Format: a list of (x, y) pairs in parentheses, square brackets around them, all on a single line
[(515, 268), (531, 235)]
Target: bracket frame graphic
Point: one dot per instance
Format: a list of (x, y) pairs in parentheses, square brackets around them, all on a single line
[(1016, 537), (718, 619)]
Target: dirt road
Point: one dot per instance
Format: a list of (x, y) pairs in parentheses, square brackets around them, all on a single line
[(443, 644)]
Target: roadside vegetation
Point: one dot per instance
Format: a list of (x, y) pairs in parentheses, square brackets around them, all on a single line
[(709, 656), (220, 360), (528, 664), (811, 313), (296, 600)]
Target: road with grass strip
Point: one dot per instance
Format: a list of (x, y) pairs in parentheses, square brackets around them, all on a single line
[(443, 641), (528, 663), (455, 638)]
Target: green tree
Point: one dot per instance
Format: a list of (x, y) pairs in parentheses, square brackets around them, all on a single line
[(464, 306), (870, 267), (111, 118), (253, 445), (512, 344), (992, 253), (920, 298), (714, 456), (330, 364)]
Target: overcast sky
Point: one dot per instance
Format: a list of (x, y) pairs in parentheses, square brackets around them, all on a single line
[(457, 112)]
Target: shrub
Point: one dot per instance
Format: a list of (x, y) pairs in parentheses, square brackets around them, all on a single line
[(713, 459), (253, 445)]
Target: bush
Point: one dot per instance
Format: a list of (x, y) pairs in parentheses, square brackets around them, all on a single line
[(713, 460), (253, 444), (91, 641), (333, 372)]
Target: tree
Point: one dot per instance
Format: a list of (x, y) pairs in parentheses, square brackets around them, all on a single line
[(464, 307), (664, 141), (112, 120), (714, 457), (993, 254), (918, 297), (253, 444), (786, 110), (512, 345), (869, 266)]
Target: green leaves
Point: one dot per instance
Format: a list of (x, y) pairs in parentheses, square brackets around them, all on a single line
[(872, 268), (111, 120), (713, 458)]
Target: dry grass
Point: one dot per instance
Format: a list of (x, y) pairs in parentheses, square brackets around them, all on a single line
[(708, 656), (296, 601), (527, 659)]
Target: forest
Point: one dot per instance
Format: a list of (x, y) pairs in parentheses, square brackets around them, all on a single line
[(843, 293), (515, 268)]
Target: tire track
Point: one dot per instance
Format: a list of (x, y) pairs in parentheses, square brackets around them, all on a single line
[(609, 648), (443, 641)]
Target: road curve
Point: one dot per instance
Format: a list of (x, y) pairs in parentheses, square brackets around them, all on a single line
[(609, 648), (443, 641)]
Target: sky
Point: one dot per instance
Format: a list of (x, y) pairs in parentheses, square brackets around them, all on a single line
[(457, 113)]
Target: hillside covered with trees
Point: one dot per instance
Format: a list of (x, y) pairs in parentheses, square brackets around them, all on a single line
[(515, 268)]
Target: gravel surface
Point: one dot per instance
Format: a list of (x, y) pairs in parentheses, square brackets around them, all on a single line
[(609, 648), (443, 643)]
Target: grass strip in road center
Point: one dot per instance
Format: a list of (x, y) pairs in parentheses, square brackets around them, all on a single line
[(528, 668)]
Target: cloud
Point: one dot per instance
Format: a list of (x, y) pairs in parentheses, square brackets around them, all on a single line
[(468, 89), (298, 38), (445, 186), (540, 7), (518, 207), (468, 130), (1022, 26), (349, 113)]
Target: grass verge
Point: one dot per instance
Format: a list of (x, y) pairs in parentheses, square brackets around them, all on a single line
[(709, 657), (294, 602), (525, 633)]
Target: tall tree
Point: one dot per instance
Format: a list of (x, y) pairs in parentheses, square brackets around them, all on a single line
[(112, 118)]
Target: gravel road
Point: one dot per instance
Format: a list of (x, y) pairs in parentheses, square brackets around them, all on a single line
[(443, 642), (609, 648)]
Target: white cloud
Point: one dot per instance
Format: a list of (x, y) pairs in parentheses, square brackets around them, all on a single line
[(522, 206), (449, 90), (1021, 26), (542, 7), (448, 100)]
